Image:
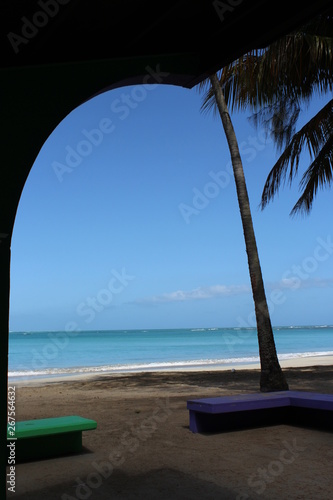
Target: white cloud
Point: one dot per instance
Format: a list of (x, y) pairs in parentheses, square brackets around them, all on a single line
[(297, 283), (215, 291), (199, 293)]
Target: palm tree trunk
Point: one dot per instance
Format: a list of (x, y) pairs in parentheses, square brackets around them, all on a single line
[(272, 377)]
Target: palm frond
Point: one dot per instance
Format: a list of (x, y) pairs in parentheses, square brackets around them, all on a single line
[(294, 67), (279, 120), (314, 135), (275, 83), (318, 175)]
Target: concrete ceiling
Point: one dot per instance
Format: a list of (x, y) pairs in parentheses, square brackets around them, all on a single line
[(212, 32)]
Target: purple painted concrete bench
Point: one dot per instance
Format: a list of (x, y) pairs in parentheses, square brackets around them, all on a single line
[(241, 411)]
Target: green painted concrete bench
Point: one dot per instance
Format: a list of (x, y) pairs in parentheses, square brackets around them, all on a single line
[(48, 437)]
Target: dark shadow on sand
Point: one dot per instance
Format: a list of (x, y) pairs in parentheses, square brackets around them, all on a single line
[(161, 484)]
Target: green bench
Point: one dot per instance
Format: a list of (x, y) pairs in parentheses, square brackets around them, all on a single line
[(47, 437)]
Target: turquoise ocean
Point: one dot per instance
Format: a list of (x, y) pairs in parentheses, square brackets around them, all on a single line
[(50, 354)]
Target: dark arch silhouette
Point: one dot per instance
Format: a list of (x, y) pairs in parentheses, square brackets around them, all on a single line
[(57, 54)]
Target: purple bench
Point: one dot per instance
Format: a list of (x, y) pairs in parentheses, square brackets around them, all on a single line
[(225, 413)]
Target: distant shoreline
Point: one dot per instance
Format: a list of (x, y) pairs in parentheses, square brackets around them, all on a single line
[(310, 362), (190, 328)]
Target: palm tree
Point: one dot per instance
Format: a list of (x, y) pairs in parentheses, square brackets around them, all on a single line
[(272, 377), (275, 83)]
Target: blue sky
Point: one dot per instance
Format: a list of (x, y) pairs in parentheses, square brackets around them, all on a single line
[(129, 219)]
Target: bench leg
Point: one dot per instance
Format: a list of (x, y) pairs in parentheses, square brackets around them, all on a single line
[(204, 422), (194, 423)]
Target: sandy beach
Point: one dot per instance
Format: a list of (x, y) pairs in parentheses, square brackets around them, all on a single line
[(143, 448)]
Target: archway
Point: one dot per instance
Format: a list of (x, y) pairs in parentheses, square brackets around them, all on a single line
[(39, 89)]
